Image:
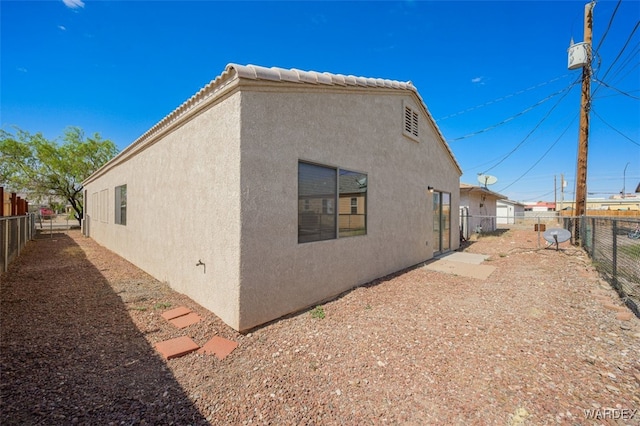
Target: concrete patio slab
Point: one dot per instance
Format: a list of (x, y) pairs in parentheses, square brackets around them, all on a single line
[(219, 346), (458, 256), (185, 320), (465, 269), (177, 347), (175, 313)]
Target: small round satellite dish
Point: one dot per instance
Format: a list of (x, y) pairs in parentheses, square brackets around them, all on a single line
[(556, 236), (487, 179)]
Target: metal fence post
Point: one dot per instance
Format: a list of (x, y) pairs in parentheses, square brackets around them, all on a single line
[(593, 236), (614, 255), (19, 234), (5, 263)]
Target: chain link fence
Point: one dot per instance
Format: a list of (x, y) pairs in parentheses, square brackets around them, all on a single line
[(15, 232), (55, 223), (614, 247)]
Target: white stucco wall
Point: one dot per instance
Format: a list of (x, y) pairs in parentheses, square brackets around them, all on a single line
[(183, 205), (360, 132), (222, 188), (507, 211), (483, 212)]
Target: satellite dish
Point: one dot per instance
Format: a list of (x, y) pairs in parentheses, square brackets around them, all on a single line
[(487, 179), (556, 236)]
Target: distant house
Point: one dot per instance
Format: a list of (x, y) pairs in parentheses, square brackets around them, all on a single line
[(478, 209), (540, 206), (294, 186), (630, 203), (508, 210)]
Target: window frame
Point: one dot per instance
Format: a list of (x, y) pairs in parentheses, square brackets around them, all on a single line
[(120, 205), (330, 206)]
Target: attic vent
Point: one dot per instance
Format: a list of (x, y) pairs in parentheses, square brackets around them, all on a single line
[(411, 122)]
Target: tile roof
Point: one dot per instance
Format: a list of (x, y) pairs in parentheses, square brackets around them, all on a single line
[(233, 72), (475, 188), (298, 76)]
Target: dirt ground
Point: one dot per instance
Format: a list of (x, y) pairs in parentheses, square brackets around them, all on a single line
[(542, 341)]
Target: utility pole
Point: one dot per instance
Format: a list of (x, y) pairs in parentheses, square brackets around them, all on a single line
[(583, 135), (555, 193), (562, 191), (624, 180)]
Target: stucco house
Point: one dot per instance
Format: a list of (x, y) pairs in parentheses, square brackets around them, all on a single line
[(295, 186), (478, 209)]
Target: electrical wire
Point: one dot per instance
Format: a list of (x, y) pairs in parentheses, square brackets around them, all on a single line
[(606, 31), (542, 156), (537, 104), (532, 130), (632, 55), (617, 57), (502, 98), (618, 90), (539, 197), (615, 94), (614, 129)]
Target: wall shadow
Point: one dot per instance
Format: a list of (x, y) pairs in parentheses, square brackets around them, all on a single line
[(69, 352)]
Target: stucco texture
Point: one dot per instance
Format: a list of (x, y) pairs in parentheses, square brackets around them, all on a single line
[(219, 186), (183, 207), (359, 132)]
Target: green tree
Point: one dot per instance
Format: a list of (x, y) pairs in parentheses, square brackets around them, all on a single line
[(40, 167)]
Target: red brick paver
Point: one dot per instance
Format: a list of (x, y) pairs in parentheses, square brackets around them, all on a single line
[(175, 313), (185, 320), (218, 346), (177, 347)]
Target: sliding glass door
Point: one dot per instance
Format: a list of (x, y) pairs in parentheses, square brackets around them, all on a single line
[(441, 222)]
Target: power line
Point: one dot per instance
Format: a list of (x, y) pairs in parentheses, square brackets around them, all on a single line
[(631, 56), (540, 102), (539, 197), (502, 98), (614, 129), (618, 56), (616, 94), (532, 130), (606, 31), (541, 157), (617, 90)]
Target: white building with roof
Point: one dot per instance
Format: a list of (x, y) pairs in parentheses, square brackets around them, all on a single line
[(508, 211), (478, 209), (293, 186)]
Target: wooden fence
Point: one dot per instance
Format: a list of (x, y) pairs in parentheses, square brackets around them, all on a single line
[(605, 213)]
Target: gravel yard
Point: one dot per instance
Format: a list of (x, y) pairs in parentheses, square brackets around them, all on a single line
[(539, 342)]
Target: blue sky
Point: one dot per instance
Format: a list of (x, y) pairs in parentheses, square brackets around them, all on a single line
[(493, 73)]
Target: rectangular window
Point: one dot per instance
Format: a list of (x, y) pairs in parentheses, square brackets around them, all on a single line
[(121, 205), (104, 206), (320, 189), (316, 185), (353, 203)]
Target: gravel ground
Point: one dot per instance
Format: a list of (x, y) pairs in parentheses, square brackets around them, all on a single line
[(534, 344)]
